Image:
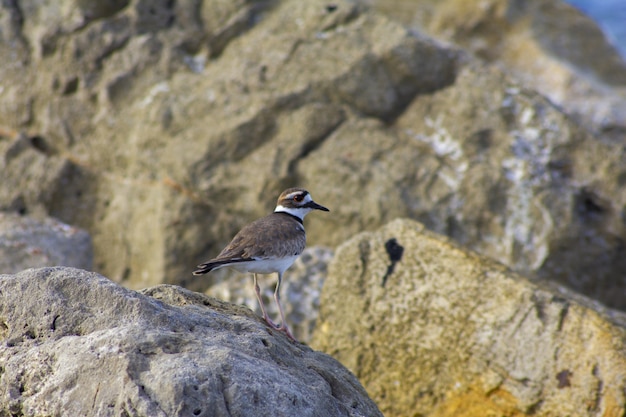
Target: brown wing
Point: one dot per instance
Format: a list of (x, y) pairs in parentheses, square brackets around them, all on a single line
[(269, 237)]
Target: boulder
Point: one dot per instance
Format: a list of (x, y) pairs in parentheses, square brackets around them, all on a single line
[(435, 330), (26, 242), (75, 343), (496, 167), (549, 45), (162, 130), (180, 122)]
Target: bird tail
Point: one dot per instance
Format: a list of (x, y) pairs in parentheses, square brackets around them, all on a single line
[(211, 265)]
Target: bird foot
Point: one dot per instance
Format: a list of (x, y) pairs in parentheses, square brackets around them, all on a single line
[(271, 323), (283, 328), (280, 327)]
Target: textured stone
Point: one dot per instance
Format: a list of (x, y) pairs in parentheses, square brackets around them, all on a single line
[(26, 242), (36, 179), (442, 331), (75, 343), (493, 165), (547, 44), (162, 130), (530, 189), (186, 119)]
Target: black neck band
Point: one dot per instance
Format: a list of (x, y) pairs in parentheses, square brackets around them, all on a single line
[(291, 215)]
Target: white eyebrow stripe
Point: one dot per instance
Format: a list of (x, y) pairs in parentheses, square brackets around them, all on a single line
[(307, 196)]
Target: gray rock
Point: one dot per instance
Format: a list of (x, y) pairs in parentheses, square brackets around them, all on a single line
[(75, 343), (437, 330), (26, 242)]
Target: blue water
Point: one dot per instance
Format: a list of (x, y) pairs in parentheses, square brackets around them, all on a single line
[(611, 17)]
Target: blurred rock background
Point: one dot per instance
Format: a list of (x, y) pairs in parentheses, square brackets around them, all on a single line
[(161, 128), (609, 15), (136, 137)]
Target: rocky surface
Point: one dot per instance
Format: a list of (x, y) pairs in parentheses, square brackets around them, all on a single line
[(161, 127), (496, 167), (75, 343), (548, 45), (26, 242), (161, 130), (432, 329)]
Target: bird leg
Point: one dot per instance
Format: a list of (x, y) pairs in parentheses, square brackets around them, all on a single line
[(283, 325), (267, 319)]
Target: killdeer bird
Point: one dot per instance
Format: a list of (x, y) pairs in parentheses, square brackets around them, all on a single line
[(267, 245)]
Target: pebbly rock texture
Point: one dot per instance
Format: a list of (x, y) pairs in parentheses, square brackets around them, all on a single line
[(75, 343), (434, 330), (162, 130), (26, 242)]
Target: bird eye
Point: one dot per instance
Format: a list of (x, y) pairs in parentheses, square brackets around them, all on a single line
[(298, 198)]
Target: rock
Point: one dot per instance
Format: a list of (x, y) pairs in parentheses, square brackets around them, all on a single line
[(75, 343), (158, 119), (496, 167), (300, 291), (162, 130), (37, 179), (26, 242), (547, 44), (546, 189), (433, 329)]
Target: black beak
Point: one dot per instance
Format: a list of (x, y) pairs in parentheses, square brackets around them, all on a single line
[(314, 205)]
